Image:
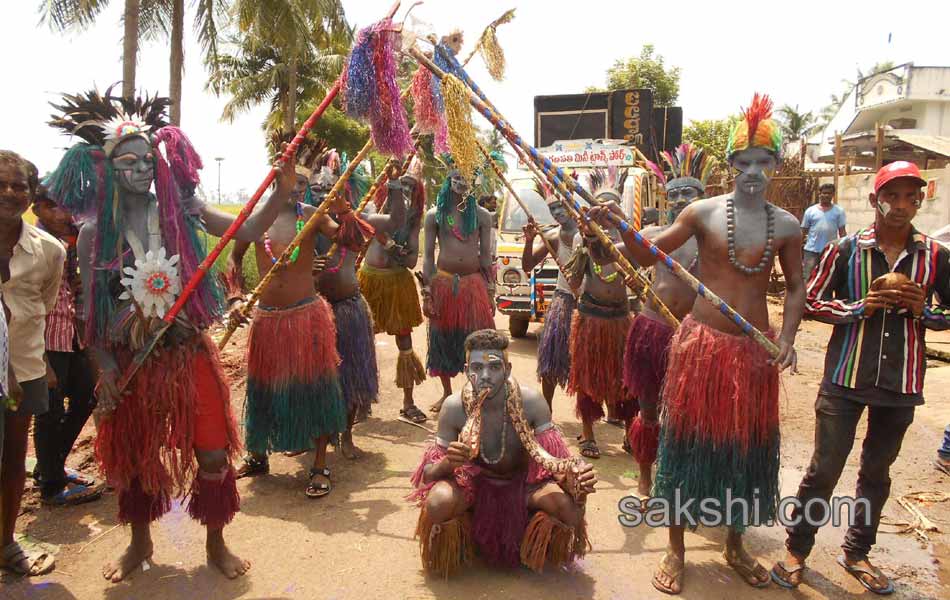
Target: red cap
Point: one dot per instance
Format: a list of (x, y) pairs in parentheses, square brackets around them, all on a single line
[(896, 170)]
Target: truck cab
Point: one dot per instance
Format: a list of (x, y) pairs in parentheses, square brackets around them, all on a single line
[(522, 296)]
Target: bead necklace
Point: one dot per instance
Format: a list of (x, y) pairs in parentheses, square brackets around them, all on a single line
[(456, 231), (298, 227), (504, 444), (598, 270), (766, 260), (338, 264)]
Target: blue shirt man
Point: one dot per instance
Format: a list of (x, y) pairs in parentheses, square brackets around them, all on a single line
[(823, 223)]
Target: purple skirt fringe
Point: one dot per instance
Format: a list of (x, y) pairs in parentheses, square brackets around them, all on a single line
[(554, 349), (356, 344), (645, 358), (499, 520)]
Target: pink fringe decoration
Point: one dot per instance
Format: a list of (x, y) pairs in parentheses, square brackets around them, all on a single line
[(464, 476), (306, 339), (552, 441), (214, 500), (429, 119), (388, 120), (468, 310)]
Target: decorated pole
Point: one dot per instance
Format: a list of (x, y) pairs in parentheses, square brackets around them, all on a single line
[(632, 276), (524, 207), (307, 230), (560, 180)]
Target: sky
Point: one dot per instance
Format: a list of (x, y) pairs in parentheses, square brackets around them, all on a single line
[(796, 51)]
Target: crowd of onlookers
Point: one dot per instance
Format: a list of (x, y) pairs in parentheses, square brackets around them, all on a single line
[(46, 372)]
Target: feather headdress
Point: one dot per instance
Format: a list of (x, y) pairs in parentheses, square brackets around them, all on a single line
[(544, 189), (309, 152), (756, 129), (689, 166), (608, 182)]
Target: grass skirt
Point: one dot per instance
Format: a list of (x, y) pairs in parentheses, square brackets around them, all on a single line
[(554, 351), (597, 344), (293, 387), (719, 428), (392, 296), (463, 306), (645, 358), (359, 376)]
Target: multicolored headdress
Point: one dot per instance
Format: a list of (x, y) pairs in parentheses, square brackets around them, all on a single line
[(84, 182), (608, 182), (689, 166), (756, 129)]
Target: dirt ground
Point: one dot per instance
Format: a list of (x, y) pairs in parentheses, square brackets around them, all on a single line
[(357, 542)]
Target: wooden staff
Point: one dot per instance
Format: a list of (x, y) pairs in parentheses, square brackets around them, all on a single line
[(559, 179), (139, 359), (524, 207)]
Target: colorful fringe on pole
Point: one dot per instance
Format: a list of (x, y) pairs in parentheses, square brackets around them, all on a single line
[(463, 306), (503, 531), (359, 376), (458, 119), (393, 298), (178, 401), (429, 108), (370, 90), (293, 396), (554, 351), (598, 333), (492, 54), (720, 424)]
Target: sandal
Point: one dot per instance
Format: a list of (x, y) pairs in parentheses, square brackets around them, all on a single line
[(942, 465), (752, 573), (73, 496), (74, 476), (318, 490), (589, 449), (38, 564), (413, 414), (786, 580), (614, 422), (857, 572), (252, 467), (673, 567)]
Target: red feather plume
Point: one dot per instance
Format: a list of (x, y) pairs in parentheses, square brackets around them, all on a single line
[(760, 110)]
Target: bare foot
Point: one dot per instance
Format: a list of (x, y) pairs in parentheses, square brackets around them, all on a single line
[(347, 447), (645, 481), (437, 407), (220, 556), (133, 557)]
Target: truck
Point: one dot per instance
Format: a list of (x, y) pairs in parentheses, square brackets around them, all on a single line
[(522, 296)]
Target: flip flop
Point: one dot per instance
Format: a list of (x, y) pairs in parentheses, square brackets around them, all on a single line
[(413, 414), (74, 496), (785, 582), (748, 573), (39, 564), (589, 449), (676, 574), (318, 490), (856, 572), (74, 476)]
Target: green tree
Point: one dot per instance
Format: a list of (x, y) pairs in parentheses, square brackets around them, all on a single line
[(795, 124), (78, 15), (296, 32), (645, 71), (712, 135)]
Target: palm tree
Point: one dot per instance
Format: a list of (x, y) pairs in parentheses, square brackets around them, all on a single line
[(78, 15), (796, 124), (166, 18), (829, 111), (297, 31)]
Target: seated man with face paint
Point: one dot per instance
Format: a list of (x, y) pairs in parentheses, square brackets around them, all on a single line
[(498, 478)]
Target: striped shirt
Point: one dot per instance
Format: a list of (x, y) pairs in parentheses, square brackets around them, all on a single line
[(886, 350), (62, 329)]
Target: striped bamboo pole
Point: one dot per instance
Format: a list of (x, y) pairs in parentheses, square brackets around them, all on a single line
[(557, 177)]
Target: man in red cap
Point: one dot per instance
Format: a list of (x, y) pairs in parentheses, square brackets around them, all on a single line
[(877, 288)]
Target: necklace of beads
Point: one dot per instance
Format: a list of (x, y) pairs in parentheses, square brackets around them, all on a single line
[(766, 260), (504, 444), (298, 227), (340, 263), (456, 230), (599, 271)]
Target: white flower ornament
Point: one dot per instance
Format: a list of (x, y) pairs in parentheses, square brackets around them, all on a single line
[(153, 283)]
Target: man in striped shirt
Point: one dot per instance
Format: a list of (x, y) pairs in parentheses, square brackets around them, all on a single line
[(875, 359), (70, 374)]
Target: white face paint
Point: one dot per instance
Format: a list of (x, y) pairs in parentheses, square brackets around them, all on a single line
[(883, 207), (459, 185), (487, 369)]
